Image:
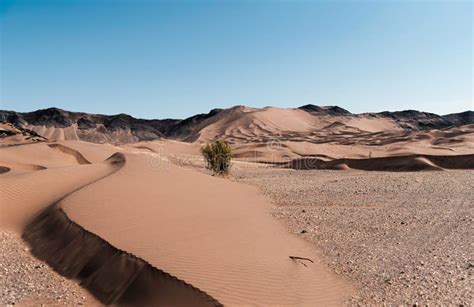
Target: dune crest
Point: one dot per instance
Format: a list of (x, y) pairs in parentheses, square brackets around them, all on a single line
[(129, 212), (394, 163), (24, 194), (67, 150), (184, 229), (111, 275)]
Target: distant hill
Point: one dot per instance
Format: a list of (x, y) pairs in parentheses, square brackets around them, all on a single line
[(325, 110), (55, 123), (237, 124)]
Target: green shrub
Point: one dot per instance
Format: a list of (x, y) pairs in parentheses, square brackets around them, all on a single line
[(218, 156)]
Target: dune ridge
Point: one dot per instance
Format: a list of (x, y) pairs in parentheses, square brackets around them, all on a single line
[(67, 150), (27, 192), (131, 202), (416, 162), (184, 229), (110, 274)]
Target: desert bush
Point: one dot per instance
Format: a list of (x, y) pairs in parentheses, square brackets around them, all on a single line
[(218, 156)]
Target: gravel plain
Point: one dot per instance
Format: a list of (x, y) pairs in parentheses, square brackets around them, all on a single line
[(26, 281), (399, 238)]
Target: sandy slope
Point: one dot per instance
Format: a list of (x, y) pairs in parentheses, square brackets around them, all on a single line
[(9, 134), (276, 134), (244, 124), (213, 234), (330, 145), (25, 193), (73, 132)]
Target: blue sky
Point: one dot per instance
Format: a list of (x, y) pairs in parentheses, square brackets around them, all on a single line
[(160, 59)]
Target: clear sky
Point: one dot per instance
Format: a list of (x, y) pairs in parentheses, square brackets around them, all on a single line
[(161, 59)]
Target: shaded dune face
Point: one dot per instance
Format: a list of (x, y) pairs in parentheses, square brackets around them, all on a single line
[(69, 151), (110, 274), (396, 163), (4, 169)]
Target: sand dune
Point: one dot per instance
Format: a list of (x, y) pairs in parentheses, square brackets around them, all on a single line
[(91, 151), (97, 135), (25, 194), (20, 167), (339, 145), (191, 241), (165, 226), (243, 124), (273, 134), (11, 135), (111, 275), (238, 122), (36, 154), (394, 163), (67, 150), (332, 142)]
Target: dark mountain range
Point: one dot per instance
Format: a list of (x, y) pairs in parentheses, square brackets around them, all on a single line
[(325, 110), (125, 128), (91, 127)]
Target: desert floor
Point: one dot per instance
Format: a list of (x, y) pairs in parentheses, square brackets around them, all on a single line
[(373, 237), (29, 281), (401, 238)]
